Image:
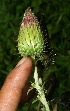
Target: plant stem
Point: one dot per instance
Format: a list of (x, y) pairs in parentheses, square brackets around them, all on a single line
[(39, 87)]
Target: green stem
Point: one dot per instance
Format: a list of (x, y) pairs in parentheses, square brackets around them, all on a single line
[(39, 87)]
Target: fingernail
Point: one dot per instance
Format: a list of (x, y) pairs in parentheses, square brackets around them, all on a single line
[(21, 61)]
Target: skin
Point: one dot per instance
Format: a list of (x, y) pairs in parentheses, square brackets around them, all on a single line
[(11, 90)]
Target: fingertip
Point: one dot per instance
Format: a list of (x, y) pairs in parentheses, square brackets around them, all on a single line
[(21, 61), (25, 59)]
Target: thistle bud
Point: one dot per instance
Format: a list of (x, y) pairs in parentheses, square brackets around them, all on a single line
[(30, 39)]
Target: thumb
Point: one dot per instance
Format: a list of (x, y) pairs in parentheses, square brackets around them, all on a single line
[(14, 83)]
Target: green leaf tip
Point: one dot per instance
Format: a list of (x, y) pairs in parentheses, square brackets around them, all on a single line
[(30, 39)]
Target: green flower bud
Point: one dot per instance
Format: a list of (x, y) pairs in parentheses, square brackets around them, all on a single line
[(30, 39)]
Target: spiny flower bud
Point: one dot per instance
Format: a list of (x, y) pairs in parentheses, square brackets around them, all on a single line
[(30, 39)]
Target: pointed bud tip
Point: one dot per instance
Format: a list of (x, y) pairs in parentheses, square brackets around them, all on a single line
[(29, 18)]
